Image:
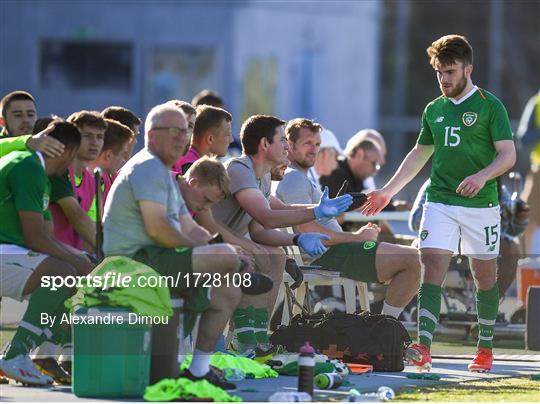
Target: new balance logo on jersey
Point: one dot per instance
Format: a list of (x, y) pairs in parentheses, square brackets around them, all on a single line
[(439, 119)]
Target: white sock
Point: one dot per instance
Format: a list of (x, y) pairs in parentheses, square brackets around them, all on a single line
[(200, 363), (391, 310)]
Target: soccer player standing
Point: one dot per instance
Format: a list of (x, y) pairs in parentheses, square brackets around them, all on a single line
[(467, 131)]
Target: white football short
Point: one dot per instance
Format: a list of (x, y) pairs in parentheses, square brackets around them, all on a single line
[(16, 265), (445, 226)]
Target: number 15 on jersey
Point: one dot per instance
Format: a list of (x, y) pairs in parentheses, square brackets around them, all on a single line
[(451, 136)]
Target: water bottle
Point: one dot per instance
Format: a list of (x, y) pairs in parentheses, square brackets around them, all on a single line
[(234, 374), (289, 397), (383, 394), (306, 367), (328, 381)]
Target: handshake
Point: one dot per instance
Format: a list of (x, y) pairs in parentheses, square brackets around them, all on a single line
[(358, 198), (312, 243)]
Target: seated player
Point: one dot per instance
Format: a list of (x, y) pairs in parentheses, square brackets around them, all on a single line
[(29, 251), (356, 255)]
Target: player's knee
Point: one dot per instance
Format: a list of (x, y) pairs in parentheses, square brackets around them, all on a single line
[(54, 266), (235, 295), (431, 261), (220, 258), (231, 261), (221, 249), (227, 296)]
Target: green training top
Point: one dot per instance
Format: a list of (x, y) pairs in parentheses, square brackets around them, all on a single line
[(9, 144), (24, 186), (464, 136)]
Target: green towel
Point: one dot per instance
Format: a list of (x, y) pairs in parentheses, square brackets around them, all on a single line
[(147, 301), (251, 368), (424, 376), (185, 389)]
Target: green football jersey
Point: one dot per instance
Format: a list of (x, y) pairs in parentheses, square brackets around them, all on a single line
[(464, 136), (61, 186), (24, 186)]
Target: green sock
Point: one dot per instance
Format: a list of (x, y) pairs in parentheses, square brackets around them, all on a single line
[(31, 333), (61, 333), (429, 303), (261, 326), (487, 306), (243, 320)]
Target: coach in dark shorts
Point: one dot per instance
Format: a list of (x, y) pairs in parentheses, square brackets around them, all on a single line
[(357, 255)]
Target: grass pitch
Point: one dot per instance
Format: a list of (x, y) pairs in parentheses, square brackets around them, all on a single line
[(504, 390)]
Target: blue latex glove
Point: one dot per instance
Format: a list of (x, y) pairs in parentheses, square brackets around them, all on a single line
[(312, 244), (332, 207)]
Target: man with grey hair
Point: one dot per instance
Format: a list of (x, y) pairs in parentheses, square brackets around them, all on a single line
[(375, 136), (146, 219), (362, 160), (369, 184), (367, 134)]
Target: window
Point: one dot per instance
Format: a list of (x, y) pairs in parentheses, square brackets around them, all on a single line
[(181, 73), (86, 65)]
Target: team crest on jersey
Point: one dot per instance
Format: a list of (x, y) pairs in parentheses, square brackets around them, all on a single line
[(469, 118), (368, 245), (424, 234), (45, 201)]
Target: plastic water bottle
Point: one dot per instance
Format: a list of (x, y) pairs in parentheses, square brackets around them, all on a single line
[(383, 394), (328, 380), (234, 374), (289, 397), (306, 367)]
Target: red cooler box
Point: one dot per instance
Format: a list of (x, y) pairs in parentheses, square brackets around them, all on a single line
[(528, 274)]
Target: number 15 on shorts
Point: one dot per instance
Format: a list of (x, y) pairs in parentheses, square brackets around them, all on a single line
[(492, 236)]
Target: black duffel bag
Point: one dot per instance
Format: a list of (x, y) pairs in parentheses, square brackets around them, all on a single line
[(371, 339)]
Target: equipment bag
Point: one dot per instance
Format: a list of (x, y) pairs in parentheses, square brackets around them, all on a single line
[(371, 339)]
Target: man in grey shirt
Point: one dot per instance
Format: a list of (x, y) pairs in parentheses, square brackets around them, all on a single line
[(251, 209), (146, 218), (356, 255)]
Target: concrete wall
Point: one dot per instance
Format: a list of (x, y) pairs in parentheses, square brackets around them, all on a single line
[(314, 59), (325, 56)]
